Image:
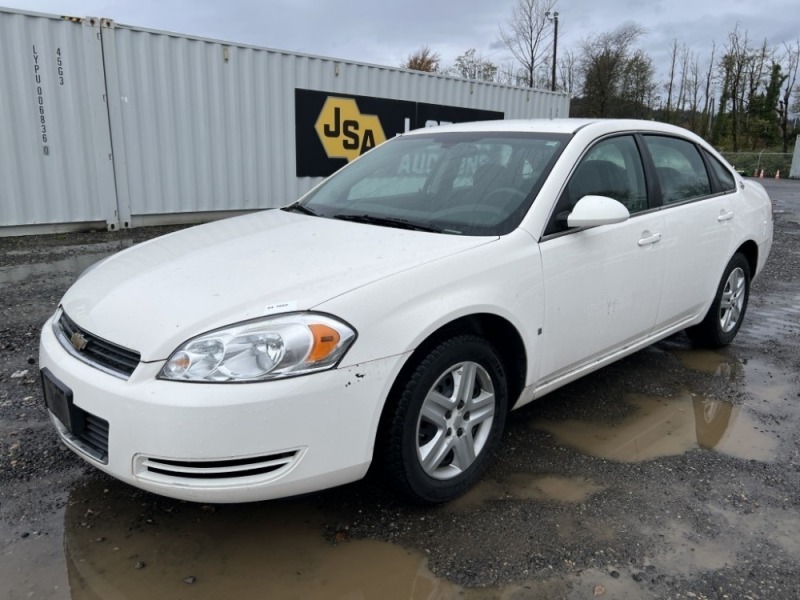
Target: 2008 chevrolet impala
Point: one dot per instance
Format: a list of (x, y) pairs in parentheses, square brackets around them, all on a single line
[(400, 309)]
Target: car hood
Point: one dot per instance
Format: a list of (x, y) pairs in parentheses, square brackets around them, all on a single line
[(154, 296)]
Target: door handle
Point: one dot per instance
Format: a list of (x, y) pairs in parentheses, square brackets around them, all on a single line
[(725, 216), (650, 238)]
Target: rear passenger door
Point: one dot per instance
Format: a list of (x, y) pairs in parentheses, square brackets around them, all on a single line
[(697, 207)]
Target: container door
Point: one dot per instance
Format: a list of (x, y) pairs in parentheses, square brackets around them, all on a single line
[(56, 165)]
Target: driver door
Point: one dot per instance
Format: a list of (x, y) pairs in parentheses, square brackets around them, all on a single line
[(602, 284)]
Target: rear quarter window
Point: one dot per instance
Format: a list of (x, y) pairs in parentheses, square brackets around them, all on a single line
[(726, 180)]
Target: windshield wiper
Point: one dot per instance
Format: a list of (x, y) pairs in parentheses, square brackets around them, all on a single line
[(391, 222), (297, 207)]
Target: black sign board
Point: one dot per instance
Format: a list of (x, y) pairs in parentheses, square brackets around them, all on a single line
[(333, 129)]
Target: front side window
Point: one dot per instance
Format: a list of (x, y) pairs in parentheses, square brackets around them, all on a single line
[(611, 168), (459, 183), (681, 172)]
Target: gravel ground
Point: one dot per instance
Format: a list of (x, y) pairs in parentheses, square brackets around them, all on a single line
[(674, 473)]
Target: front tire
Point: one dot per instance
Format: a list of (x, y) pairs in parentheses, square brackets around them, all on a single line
[(445, 420), (726, 314)]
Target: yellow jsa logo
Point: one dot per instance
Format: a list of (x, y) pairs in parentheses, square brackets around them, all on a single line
[(344, 131)]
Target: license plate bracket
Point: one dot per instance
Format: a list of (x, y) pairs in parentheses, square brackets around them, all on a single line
[(59, 400)]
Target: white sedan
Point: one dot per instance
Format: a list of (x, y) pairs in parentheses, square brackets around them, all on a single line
[(399, 310)]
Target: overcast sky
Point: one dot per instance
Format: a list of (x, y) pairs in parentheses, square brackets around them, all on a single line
[(386, 32)]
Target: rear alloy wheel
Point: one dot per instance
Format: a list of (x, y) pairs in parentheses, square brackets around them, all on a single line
[(725, 316), (447, 419)]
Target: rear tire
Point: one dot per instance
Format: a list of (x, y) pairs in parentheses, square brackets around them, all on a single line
[(724, 318), (445, 420)]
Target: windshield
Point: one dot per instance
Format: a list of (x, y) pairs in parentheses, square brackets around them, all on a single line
[(459, 183)]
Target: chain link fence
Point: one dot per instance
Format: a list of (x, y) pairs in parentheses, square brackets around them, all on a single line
[(751, 164)]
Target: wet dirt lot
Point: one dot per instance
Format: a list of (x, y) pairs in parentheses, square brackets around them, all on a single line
[(674, 473)]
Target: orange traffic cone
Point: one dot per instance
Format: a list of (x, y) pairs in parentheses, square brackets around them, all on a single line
[(778, 174)]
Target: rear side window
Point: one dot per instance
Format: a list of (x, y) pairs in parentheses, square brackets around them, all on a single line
[(681, 171), (726, 180)]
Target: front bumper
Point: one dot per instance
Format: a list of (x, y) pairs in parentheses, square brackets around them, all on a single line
[(228, 442)]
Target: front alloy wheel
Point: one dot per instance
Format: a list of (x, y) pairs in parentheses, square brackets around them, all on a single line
[(455, 420), (444, 419)]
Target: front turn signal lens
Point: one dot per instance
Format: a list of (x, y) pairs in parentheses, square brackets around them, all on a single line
[(326, 340)]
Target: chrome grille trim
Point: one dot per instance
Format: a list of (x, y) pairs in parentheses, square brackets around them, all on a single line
[(100, 354), (204, 473)]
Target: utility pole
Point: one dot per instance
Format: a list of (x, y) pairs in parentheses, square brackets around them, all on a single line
[(554, 20)]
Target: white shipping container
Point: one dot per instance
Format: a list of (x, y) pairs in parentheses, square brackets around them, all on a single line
[(55, 148), (157, 127)]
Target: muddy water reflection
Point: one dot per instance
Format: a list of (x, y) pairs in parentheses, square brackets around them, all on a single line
[(708, 361), (661, 426), (118, 547), (272, 550)]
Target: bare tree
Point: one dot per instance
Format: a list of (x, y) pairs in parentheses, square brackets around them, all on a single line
[(602, 64), (543, 78), (733, 66), (750, 94), (472, 65), (708, 109), (566, 69), (637, 89), (423, 59), (757, 67), (791, 60), (796, 102), (526, 34), (693, 92), (686, 59), (671, 81), (507, 73)]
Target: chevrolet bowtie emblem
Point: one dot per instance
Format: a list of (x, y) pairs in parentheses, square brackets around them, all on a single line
[(78, 341)]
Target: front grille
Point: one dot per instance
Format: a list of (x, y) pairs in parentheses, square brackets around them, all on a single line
[(231, 469), (97, 351)]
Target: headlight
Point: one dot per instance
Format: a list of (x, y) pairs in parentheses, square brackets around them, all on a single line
[(268, 348)]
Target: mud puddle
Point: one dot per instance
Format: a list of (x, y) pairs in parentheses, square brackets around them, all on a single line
[(666, 426), (660, 426), (32, 560), (118, 545), (711, 362)]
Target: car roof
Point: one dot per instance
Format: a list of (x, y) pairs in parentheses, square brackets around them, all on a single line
[(568, 126)]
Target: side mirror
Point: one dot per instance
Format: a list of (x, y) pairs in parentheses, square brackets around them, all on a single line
[(591, 211)]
